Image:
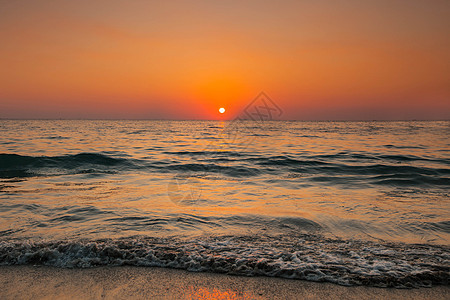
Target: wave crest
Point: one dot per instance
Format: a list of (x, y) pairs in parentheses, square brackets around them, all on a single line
[(309, 257)]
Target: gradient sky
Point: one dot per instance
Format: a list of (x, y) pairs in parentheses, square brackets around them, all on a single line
[(185, 59)]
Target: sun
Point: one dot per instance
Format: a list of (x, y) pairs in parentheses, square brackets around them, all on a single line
[(221, 110)]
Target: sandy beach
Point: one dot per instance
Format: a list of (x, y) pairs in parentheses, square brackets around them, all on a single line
[(33, 282)]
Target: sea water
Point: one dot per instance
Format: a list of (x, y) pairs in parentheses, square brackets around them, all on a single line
[(346, 202)]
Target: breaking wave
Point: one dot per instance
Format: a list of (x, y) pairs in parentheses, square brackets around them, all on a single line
[(307, 257)]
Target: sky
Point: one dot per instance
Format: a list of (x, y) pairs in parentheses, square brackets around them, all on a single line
[(317, 60)]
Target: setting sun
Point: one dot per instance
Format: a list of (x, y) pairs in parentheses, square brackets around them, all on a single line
[(221, 110)]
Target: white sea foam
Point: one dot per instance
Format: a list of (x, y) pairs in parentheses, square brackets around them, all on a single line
[(316, 258)]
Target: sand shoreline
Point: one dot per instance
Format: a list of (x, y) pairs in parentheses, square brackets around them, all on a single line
[(37, 282)]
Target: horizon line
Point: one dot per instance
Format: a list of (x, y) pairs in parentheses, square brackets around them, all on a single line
[(228, 120)]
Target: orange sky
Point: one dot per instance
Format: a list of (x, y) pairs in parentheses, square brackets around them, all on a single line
[(185, 59)]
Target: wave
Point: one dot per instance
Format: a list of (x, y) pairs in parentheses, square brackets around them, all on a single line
[(206, 153), (14, 160), (338, 169), (13, 165), (308, 257)]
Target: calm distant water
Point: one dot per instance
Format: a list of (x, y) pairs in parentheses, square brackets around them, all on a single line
[(345, 202)]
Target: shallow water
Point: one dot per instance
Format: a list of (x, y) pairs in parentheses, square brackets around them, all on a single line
[(328, 199)]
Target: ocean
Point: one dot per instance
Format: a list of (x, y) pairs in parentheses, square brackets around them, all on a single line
[(353, 203)]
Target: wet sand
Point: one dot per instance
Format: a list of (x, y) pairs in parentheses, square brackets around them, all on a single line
[(36, 282)]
